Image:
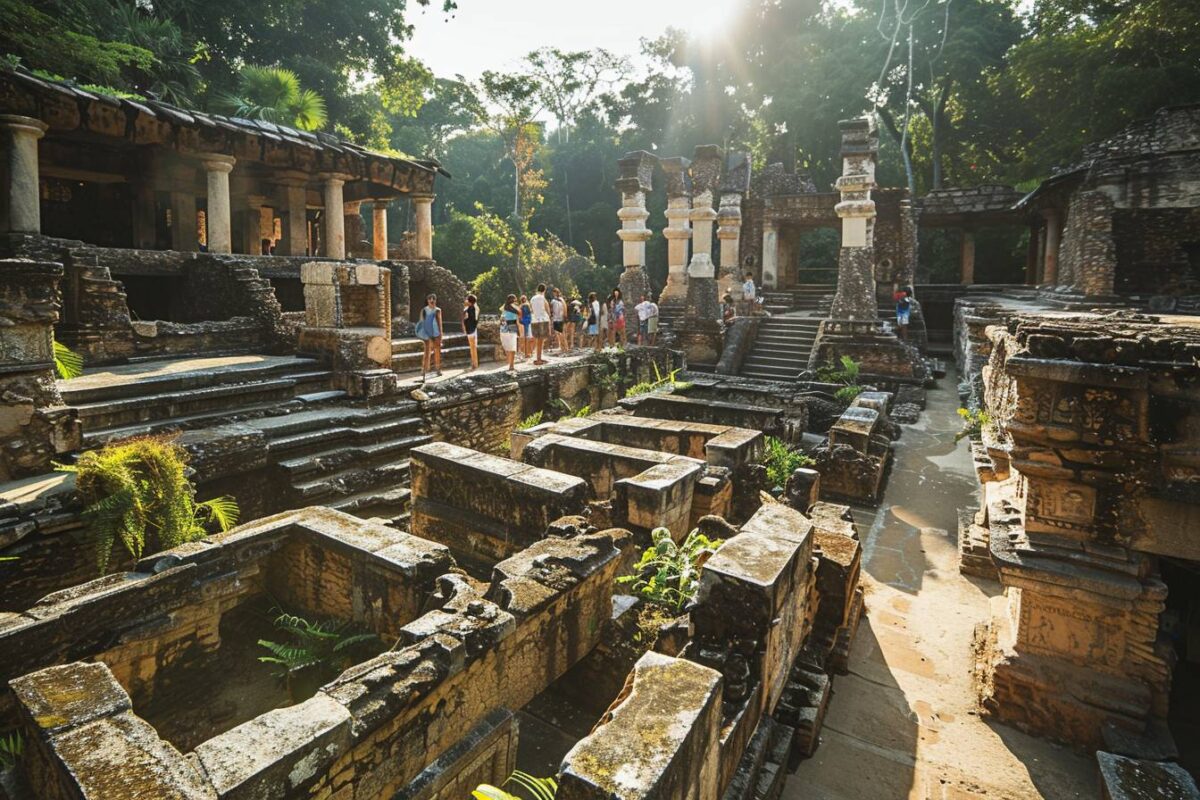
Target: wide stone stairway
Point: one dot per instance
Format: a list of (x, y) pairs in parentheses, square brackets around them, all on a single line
[(329, 452), (407, 352), (782, 347)]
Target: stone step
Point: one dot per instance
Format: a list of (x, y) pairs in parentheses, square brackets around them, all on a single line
[(390, 505), (782, 361), (411, 362), (308, 467), (411, 344), (326, 438), (163, 376), (359, 479), (167, 405), (319, 418), (99, 436)]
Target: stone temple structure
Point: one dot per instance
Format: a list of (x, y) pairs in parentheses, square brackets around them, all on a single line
[(479, 570)]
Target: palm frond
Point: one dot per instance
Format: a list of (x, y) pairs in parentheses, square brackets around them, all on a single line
[(540, 788), (222, 510), (67, 363)]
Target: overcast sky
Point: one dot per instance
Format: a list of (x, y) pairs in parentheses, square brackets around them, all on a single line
[(495, 34)]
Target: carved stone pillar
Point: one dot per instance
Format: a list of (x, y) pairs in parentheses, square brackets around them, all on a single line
[(770, 254), (379, 232), (294, 215), (20, 204), (335, 220), (735, 183), (966, 260), (853, 328), (217, 216), (679, 228), (1053, 237), (423, 225), (636, 170), (700, 331)]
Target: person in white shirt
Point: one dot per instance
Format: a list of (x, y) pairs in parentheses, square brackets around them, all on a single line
[(593, 320), (643, 315), (749, 293), (652, 322), (558, 319), (540, 314)]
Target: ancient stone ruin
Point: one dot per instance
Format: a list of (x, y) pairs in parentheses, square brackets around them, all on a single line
[(644, 572)]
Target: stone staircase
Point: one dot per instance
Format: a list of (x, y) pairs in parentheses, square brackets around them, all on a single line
[(165, 395), (782, 347), (353, 459), (669, 314), (407, 352), (805, 297)]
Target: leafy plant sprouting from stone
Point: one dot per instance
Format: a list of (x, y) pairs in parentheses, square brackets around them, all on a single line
[(532, 421), (782, 460), (137, 493), (67, 363), (846, 373), (11, 748), (669, 574), (326, 646), (570, 413), (538, 788), (661, 383), (974, 421)]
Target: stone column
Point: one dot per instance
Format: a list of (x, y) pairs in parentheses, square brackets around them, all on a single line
[(1031, 258), (294, 214), (220, 234), (379, 232), (700, 332), (21, 204), (770, 254), (855, 298), (252, 232), (353, 225), (1053, 237), (145, 219), (334, 213), (966, 258), (735, 183), (679, 228), (636, 171), (423, 225)]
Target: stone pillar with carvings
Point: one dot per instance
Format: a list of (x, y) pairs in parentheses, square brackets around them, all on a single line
[(700, 332), (21, 202), (636, 172), (423, 226), (379, 230), (679, 228), (218, 213), (735, 183), (854, 328), (334, 215)]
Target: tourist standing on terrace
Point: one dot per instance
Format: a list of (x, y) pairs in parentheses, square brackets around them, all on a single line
[(903, 311), (575, 323), (539, 311), (604, 306), (510, 318), (728, 310), (643, 315), (595, 312), (618, 319), (652, 322), (470, 326), (526, 326), (558, 318), (429, 330)]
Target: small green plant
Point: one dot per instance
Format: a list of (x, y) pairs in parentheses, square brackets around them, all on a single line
[(661, 383), (569, 413), (11, 748), (532, 421), (136, 492), (669, 574), (974, 420), (538, 788), (846, 372), (67, 363), (781, 461), (329, 646), (846, 394)]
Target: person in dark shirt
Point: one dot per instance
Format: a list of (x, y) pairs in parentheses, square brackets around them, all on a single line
[(470, 326), (903, 311)]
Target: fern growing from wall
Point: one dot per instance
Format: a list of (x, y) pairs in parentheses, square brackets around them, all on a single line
[(136, 493)]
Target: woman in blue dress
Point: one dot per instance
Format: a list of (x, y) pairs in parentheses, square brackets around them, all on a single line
[(429, 329)]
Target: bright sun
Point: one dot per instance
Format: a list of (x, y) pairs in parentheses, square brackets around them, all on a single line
[(707, 20)]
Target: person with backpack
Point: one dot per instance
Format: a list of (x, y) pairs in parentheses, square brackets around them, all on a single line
[(595, 309), (470, 326), (510, 318), (526, 327), (429, 330)]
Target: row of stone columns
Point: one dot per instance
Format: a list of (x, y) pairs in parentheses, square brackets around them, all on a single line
[(20, 203)]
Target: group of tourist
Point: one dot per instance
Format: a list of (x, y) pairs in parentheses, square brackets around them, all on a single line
[(532, 325)]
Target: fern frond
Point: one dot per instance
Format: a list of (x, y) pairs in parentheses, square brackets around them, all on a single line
[(222, 510), (67, 363), (540, 788)]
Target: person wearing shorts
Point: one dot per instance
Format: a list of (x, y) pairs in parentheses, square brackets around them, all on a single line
[(618, 318), (510, 319), (643, 315), (595, 309), (652, 322), (539, 311), (526, 326), (903, 312), (470, 326), (558, 319), (574, 323)]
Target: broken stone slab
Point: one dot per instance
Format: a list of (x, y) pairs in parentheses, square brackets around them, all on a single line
[(659, 497), (854, 428), (661, 742), (1124, 778)]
